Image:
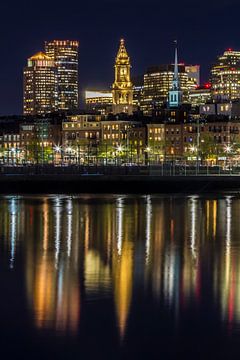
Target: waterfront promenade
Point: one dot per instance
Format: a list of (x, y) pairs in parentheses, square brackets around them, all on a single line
[(108, 179)]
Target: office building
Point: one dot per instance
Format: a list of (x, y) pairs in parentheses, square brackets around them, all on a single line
[(225, 76), (100, 101), (157, 84), (193, 73), (65, 55), (200, 95), (39, 85), (137, 92)]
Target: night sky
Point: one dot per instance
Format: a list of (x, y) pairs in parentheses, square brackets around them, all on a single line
[(203, 29)]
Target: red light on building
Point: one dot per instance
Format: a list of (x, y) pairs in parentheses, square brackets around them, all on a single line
[(207, 86), (229, 49)]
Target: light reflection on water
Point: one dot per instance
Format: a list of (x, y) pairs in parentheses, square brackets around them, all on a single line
[(166, 255)]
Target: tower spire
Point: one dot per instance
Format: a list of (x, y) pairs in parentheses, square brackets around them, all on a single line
[(175, 94), (176, 77), (122, 88)]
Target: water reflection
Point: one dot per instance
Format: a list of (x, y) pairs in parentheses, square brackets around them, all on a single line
[(170, 253), (13, 229)]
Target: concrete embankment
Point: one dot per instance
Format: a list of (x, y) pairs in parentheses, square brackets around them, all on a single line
[(49, 184)]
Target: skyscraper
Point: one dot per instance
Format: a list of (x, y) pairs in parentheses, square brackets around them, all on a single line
[(193, 72), (157, 83), (225, 76), (39, 85), (122, 89), (65, 55)]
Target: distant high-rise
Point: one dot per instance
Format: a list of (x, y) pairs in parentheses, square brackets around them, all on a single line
[(99, 101), (157, 84), (65, 55), (122, 89), (225, 76), (39, 85), (193, 72)]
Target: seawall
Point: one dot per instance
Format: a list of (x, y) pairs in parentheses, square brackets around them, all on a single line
[(49, 184)]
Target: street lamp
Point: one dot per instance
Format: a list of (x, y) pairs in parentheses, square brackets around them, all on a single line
[(57, 149), (120, 149), (192, 149), (147, 151), (228, 149)]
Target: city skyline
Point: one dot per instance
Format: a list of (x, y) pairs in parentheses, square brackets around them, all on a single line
[(149, 38), (190, 77)]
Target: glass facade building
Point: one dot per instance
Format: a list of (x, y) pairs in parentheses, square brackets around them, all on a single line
[(65, 55), (157, 84), (39, 85), (225, 76)]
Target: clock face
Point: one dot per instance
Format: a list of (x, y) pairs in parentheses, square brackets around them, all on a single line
[(123, 71)]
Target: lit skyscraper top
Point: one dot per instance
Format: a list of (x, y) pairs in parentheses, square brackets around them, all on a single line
[(65, 55), (39, 85), (225, 76)]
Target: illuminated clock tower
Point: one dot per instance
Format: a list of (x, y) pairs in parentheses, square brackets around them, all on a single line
[(122, 88)]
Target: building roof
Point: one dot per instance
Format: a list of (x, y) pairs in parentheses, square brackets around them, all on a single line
[(122, 52), (40, 56)]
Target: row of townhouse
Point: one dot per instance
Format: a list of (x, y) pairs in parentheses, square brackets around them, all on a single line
[(107, 136), (178, 140), (157, 140)]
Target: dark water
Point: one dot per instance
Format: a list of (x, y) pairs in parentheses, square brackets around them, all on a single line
[(120, 277)]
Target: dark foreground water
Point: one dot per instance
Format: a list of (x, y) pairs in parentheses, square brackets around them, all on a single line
[(119, 277)]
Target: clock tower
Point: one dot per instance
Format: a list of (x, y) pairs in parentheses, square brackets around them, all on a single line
[(122, 88)]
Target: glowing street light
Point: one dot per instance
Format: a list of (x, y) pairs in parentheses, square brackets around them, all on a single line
[(119, 148), (148, 149), (192, 149), (57, 149), (228, 149)]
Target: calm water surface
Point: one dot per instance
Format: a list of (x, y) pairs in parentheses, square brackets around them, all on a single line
[(120, 277)]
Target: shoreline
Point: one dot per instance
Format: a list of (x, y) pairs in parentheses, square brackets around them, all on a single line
[(116, 184)]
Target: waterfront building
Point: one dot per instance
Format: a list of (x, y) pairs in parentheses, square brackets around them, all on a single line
[(124, 141), (155, 147), (80, 132), (65, 55), (91, 139), (80, 141), (122, 88), (225, 76), (214, 139), (39, 85), (174, 140), (39, 139), (84, 118)]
